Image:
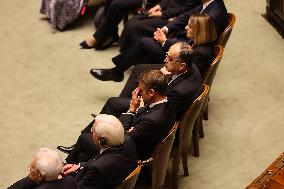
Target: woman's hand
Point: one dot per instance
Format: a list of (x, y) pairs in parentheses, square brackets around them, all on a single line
[(160, 36)]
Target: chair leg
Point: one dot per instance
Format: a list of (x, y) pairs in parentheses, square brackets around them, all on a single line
[(184, 163), (205, 114), (195, 140), (175, 171), (200, 126), (154, 178)]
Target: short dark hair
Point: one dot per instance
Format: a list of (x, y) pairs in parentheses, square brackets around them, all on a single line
[(154, 79), (185, 54)]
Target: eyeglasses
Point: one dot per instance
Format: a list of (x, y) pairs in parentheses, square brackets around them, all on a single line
[(171, 59)]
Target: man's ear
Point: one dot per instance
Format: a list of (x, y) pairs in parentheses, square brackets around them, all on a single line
[(152, 92), (182, 66), (40, 177)]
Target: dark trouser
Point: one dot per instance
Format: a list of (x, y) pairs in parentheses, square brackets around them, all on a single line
[(113, 106), (115, 11), (25, 183), (138, 27), (145, 51), (84, 149), (116, 106)]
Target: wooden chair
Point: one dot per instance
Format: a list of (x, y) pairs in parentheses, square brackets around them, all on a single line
[(130, 181), (160, 158), (208, 78), (187, 133), (224, 37)]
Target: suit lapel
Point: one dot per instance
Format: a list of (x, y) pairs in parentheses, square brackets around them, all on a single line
[(209, 7), (178, 79), (145, 111)]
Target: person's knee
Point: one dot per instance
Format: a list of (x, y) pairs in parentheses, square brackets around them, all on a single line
[(147, 43), (110, 106), (135, 26), (118, 5), (112, 100)]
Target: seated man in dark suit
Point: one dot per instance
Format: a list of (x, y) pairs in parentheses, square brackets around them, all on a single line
[(115, 158), (147, 125), (216, 9), (144, 26), (44, 169)]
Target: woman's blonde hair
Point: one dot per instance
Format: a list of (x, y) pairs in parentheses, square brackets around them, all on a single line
[(203, 29)]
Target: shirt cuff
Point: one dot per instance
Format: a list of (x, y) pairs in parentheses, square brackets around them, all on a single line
[(163, 44), (130, 113), (80, 166), (166, 29)]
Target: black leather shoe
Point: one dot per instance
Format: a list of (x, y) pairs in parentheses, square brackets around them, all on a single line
[(84, 45), (106, 75), (66, 150), (107, 44)]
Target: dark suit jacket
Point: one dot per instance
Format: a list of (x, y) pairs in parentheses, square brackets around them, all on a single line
[(150, 127), (183, 90), (108, 169), (172, 8), (216, 10), (66, 182), (27, 183)]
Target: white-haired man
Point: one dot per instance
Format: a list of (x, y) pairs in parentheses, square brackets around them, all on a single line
[(114, 159), (44, 172)]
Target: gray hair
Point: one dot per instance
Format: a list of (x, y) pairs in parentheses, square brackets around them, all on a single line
[(48, 163), (109, 127)]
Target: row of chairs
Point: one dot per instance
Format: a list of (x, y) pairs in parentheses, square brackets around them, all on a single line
[(165, 149), (190, 128)]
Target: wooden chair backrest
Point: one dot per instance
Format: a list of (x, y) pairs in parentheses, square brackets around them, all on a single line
[(130, 181), (186, 123), (224, 37), (160, 159), (209, 75)]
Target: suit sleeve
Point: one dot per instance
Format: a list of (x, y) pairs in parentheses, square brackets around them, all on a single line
[(178, 9), (163, 4), (126, 120), (175, 98), (142, 130), (92, 180), (168, 44), (181, 21)]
